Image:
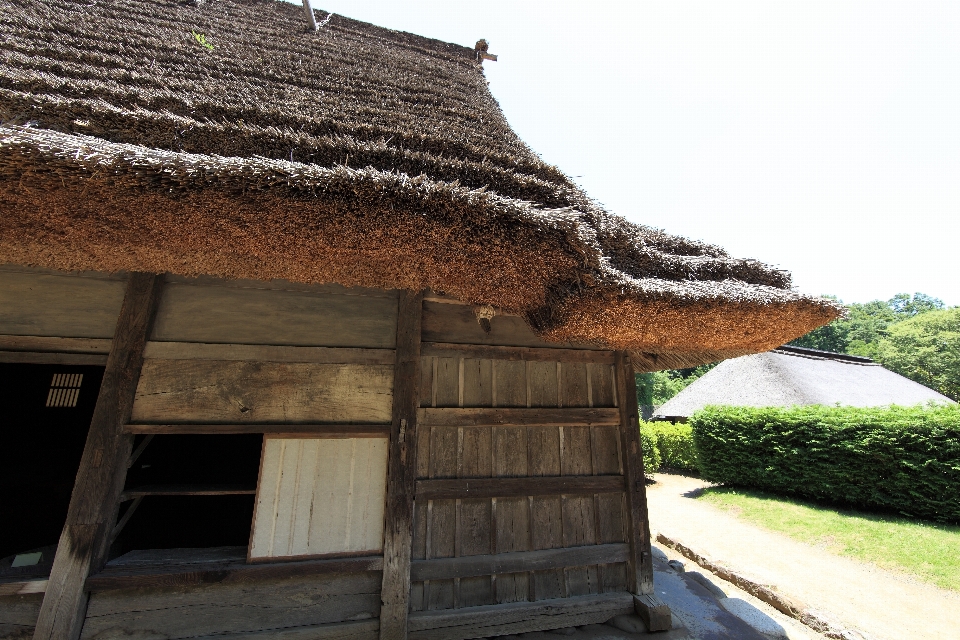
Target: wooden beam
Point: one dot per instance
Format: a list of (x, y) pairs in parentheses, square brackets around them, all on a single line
[(93, 506), (401, 474), (182, 575), (267, 353), (293, 430), (515, 561), (512, 487), (518, 617), (533, 354), (186, 490), (56, 345), (39, 357), (540, 416), (640, 565), (23, 586)]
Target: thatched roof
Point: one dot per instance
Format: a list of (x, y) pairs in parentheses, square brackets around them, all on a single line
[(790, 376), (222, 138)]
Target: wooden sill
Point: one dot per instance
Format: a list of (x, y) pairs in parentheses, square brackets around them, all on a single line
[(224, 565)]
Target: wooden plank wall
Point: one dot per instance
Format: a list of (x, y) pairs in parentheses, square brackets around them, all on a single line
[(38, 302), (447, 528), (266, 606)]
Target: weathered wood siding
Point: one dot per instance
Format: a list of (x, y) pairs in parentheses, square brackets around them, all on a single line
[(190, 612), (480, 526), (320, 496), (191, 391), (253, 314), (35, 302), (18, 615)]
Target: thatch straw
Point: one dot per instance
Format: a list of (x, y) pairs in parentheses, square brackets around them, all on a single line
[(353, 154)]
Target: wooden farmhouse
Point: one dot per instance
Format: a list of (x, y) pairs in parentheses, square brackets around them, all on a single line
[(300, 340)]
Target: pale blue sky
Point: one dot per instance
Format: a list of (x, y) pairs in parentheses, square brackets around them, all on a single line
[(823, 137)]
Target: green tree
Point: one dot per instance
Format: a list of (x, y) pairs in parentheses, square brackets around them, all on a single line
[(926, 349), (657, 387), (865, 324)]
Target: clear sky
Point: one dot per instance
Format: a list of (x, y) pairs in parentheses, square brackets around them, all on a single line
[(823, 137)]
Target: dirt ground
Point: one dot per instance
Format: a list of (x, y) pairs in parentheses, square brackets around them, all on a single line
[(884, 605)]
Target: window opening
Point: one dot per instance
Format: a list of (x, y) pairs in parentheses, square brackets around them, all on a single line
[(188, 491)]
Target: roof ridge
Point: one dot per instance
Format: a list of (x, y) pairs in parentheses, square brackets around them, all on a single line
[(819, 354)]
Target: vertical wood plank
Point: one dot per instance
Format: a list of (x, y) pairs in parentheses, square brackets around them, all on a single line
[(402, 470), (579, 516), (448, 382), (477, 381), (94, 503), (443, 513), (640, 566), (543, 458), (512, 531), (475, 515)]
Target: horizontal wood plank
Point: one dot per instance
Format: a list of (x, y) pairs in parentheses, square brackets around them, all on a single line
[(483, 565), (510, 487), (35, 357), (532, 354), (524, 417), (361, 630), (258, 316), (36, 303), (517, 617), (277, 430), (231, 572), (23, 587), (281, 285), (254, 604), (186, 490), (55, 344), (268, 353), (232, 392)]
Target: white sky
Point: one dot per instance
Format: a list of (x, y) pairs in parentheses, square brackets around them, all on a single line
[(823, 137)]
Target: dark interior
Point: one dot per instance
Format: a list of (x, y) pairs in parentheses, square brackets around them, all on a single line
[(189, 462), (40, 448)]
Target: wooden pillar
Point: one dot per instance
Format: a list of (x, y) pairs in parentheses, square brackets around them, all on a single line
[(654, 612), (640, 578), (93, 506), (402, 471)]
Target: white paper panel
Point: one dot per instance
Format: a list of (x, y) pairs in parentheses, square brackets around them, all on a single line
[(320, 496)]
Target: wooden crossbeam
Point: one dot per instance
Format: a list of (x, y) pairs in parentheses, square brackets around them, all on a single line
[(515, 561), (512, 487), (524, 417), (174, 575), (532, 354), (293, 430)]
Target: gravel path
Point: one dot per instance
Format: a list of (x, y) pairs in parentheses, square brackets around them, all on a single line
[(884, 604)]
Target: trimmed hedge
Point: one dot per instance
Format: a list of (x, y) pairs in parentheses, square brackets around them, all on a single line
[(648, 442), (901, 458), (676, 447)]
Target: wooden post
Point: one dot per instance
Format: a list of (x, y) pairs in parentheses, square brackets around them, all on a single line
[(640, 578), (93, 506), (648, 606), (402, 471)]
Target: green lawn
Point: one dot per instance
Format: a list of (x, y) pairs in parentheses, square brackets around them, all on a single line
[(928, 550)]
